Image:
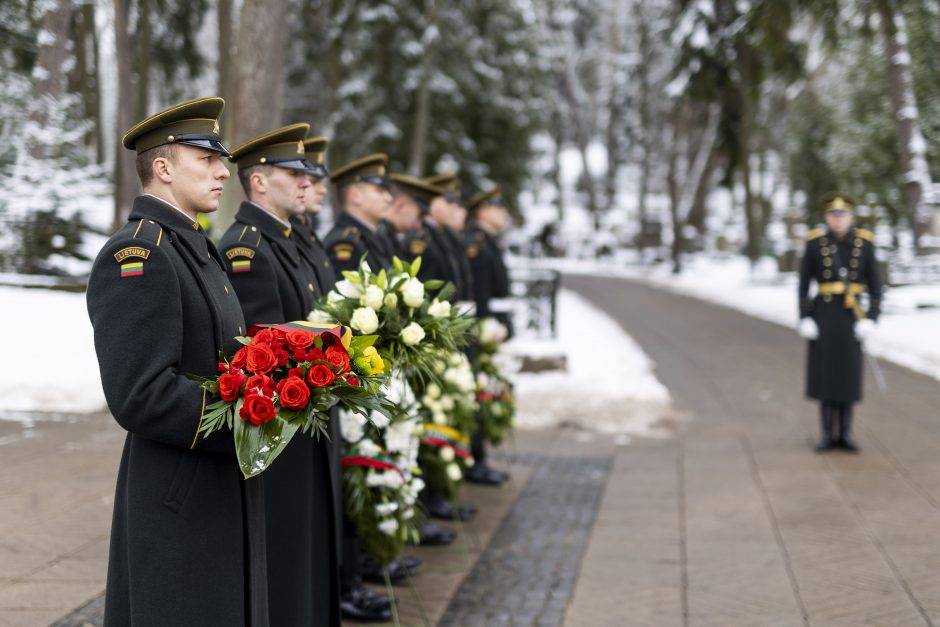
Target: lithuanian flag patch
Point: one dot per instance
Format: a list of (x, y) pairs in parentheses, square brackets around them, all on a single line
[(241, 265), (343, 251), (134, 268)]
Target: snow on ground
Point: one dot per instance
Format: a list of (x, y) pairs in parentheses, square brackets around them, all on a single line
[(609, 385), (49, 362), (908, 332)]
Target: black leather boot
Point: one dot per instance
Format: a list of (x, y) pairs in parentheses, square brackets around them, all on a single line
[(846, 441), (826, 416)]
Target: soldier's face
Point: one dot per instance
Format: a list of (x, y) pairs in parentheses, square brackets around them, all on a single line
[(405, 214), (286, 190), (440, 211), (313, 199), (197, 177), (493, 216), (458, 216), (839, 220), (374, 200)]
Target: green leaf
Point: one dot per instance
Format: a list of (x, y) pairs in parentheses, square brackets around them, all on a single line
[(258, 447), (415, 266), (382, 279), (352, 276), (396, 262), (433, 284), (243, 340)]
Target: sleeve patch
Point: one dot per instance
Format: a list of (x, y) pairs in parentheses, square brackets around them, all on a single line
[(472, 250), (241, 265), (132, 268), (240, 251), (132, 251)]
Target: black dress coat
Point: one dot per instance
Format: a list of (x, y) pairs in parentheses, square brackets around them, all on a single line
[(834, 360), (490, 275), (349, 240), (279, 285), (187, 537), (438, 260)]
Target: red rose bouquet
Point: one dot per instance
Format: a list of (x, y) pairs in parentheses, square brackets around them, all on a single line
[(285, 379)]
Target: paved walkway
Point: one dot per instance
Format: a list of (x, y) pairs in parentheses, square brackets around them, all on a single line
[(732, 522), (737, 522)]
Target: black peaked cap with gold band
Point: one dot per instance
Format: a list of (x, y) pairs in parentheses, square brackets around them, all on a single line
[(369, 169), (419, 189), (194, 123), (449, 182), (282, 148), (315, 148), (838, 200), (485, 198)]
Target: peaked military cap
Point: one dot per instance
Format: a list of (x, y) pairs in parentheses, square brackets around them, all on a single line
[(315, 147), (486, 198), (193, 123), (449, 182), (369, 169), (422, 191), (838, 200), (282, 148)]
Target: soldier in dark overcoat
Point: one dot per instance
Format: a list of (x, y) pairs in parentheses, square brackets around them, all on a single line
[(841, 261), (276, 283), (187, 537), (490, 293)]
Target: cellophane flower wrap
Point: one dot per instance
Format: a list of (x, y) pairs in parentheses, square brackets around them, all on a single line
[(284, 379), (495, 369)]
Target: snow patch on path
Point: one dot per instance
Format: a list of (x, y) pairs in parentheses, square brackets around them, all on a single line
[(609, 385)]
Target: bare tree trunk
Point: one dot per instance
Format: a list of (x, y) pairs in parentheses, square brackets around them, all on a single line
[(126, 184), (86, 58), (752, 220), (143, 59), (49, 85), (615, 110), (558, 138), (912, 148), (672, 187), (224, 88), (419, 137)]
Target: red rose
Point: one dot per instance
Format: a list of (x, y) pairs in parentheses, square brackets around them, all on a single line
[(260, 358), (315, 354), (264, 336), (230, 384), (296, 372), (280, 356), (299, 354), (223, 367), (352, 381), (319, 375), (259, 384), (280, 335), (258, 409), (300, 338), (338, 358), (241, 355), (294, 393)]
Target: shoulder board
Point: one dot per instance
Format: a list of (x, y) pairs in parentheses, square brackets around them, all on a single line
[(814, 234), (250, 234), (865, 234), (351, 233), (148, 231)]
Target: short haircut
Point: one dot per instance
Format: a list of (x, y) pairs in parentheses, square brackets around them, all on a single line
[(341, 192), (244, 176), (144, 162)]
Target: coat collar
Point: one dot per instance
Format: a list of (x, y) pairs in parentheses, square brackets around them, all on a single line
[(270, 227), (189, 232)]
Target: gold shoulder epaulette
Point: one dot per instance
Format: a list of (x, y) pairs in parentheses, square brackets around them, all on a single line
[(865, 234), (351, 233), (252, 233), (149, 231), (814, 234)]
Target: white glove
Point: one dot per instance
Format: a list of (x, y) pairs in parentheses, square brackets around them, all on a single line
[(808, 329), (863, 328)]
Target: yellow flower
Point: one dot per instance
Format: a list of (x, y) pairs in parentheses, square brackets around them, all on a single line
[(375, 360)]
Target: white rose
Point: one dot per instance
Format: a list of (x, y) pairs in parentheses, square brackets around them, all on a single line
[(469, 462), (384, 509), (447, 403), (410, 335), (446, 453), (439, 418), (391, 300), (453, 472), (319, 316), (348, 289), (372, 297), (492, 331), (433, 390), (412, 292), (364, 320), (417, 484), (351, 426), (394, 480), (408, 514), (388, 526), (375, 479), (369, 448), (334, 297), (379, 419), (439, 309)]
